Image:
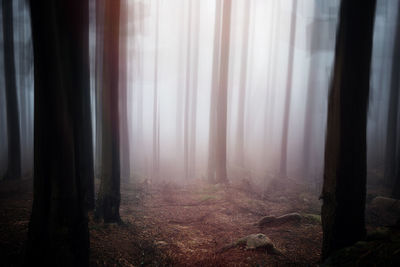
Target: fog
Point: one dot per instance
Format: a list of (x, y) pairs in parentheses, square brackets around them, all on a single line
[(169, 73)]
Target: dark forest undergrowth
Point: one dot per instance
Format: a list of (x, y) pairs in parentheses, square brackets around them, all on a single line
[(169, 225)]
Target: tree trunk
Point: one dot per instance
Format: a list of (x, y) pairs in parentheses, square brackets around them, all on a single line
[(285, 129), (13, 129), (98, 81), (109, 196), (187, 95), (344, 188), (156, 122), (310, 99), (123, 89), (242, 88), (58, 229), (222, 95), (195, 63), (392, 133), (213, 98)]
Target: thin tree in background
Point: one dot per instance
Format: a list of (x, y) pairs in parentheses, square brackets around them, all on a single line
[(109, 196), (186, 124), (13, 128), (222, 95), (194, 89), (156, 122), (213, 96), (288, 98), (180, 93), (344, 188), (310, 102), (242, 87), (58, 229)]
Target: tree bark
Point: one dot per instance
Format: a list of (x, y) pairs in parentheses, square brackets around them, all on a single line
[(58, 230), (344, 187), (13, 129), (109, 196)]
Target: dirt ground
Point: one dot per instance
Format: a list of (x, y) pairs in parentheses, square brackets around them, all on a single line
[(170, 225)]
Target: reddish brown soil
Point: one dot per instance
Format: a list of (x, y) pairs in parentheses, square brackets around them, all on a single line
[(170, 225)]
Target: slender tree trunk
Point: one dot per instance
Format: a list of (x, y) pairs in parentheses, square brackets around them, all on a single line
[(180, 95), (155, 101), (310, 99), (392, 133), (285, 130), (214, 90), (344, 189), (109, 196), (193, 127), (242, 88), (187, 94), (58, 229), (222, 108), (123, 89), (13, 129)]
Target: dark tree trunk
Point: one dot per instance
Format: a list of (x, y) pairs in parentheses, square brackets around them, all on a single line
[(13, 130), (396, 186), (344, 188), (288, 98), (58, 230), (98, 82), (123, 87), (109, 196), (392, 133)]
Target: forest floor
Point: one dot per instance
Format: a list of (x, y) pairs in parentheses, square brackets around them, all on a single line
[(169, 225)]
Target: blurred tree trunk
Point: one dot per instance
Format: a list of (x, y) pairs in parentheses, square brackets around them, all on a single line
[(109, 196), (13, 128), (288, 98), (222, 94), (186, 123), (242, 88), (344, 188), (310, 99), (391, 132), (218, 105), (180, 92), (193, 120), (156, 146), (213, 97), (123, 89), (58, 229)]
